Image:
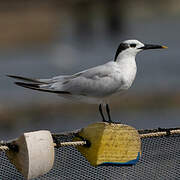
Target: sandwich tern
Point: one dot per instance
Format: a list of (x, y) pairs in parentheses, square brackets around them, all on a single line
[(97, 84)]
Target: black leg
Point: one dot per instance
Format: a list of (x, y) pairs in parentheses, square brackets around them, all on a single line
[(100, 110), (108, 113)]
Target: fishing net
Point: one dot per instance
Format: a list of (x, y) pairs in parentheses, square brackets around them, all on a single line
[(160, 160)]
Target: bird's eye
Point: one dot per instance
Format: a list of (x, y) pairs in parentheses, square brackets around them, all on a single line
[(133, 45)]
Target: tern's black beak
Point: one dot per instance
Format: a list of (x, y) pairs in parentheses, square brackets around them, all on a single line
[(151, 46)]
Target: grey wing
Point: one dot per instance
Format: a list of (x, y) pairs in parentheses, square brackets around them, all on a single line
[(95, 82)]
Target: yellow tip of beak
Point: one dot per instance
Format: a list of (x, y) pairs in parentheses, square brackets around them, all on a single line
[(165, 47)]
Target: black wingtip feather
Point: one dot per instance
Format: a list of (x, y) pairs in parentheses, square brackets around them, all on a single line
[(11, 76), (27, 85), (38, 88), (25, 79)]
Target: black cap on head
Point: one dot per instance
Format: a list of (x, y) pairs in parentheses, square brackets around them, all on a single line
[(120, 48)]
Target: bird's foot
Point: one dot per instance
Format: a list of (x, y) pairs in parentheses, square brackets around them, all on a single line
[(109, 121)]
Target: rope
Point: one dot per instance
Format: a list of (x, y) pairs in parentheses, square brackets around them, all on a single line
[(81, 142), (75, 143), (157, 134), (4, 148), (7, 146)]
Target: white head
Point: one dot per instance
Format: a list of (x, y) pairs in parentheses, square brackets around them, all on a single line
[(132, 47)]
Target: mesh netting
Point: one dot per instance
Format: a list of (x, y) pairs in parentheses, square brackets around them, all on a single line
[(160, 160)]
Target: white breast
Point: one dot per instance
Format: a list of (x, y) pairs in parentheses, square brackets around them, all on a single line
[(127, 71)]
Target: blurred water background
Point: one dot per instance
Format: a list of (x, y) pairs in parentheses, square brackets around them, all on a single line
[(47, 38)]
